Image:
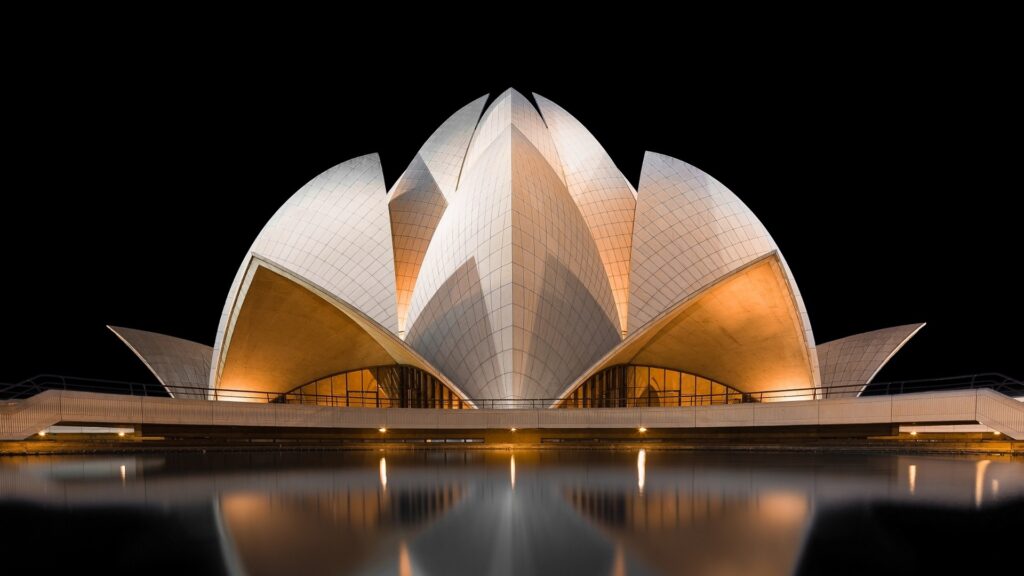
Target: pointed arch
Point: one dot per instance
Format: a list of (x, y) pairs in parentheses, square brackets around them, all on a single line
[(289, 331), (336, 232), (743, 331)]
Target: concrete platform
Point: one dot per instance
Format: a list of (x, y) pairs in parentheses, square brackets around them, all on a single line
[(23, 419)]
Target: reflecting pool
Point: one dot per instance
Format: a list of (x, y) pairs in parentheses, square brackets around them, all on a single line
[(482, 512)]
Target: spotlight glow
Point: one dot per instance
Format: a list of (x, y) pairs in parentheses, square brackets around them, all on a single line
[(641, 469)]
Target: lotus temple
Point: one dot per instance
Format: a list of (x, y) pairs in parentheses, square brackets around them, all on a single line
[(513, 264)]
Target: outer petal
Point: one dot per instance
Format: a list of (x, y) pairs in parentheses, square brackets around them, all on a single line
[(335, 231), (855, 360), (690, 232), (290, 331), (743, 330), (182, 366), (512, 299)]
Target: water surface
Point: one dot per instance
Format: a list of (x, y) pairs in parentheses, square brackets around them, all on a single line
[(518, 513)]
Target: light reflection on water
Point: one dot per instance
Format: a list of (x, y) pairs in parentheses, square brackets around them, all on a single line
[(481, 512)]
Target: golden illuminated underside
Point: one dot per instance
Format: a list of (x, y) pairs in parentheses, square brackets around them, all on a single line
[(416, 207), (743, 331), (288, 333)]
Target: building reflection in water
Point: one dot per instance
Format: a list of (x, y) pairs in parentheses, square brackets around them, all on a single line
[(331, 532), (663, 525), (532, 512)]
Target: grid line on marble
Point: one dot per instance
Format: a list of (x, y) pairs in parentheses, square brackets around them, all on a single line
[(509, 109), (418, 199), (335, 232), (512, 299), (604, 196), (689, 232)]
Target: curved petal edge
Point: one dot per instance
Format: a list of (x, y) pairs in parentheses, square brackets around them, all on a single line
[(743, 330), (181, 366), (853, 362)]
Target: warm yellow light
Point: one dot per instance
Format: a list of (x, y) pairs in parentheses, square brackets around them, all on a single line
[(782, 507), (512, 470), (42, 432), (979, 481), (383, 473), (121, 434), (642, 429), (513, 429), (382, 430), (997, 433), (641, 469), (404, 562), (913, 433)]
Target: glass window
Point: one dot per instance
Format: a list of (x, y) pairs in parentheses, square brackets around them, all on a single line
[(671, 395), (703, 390), (309, 393), (658, 379), (382, 387), (687, 387), (369, 381), (718, 393), (735, 397), (355, 388), (323, 391), (338, 389), (643, 378)]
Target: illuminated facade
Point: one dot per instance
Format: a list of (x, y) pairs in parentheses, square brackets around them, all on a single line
[(512, 260)]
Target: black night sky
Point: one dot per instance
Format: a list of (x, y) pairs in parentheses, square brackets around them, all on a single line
[(886, 182)]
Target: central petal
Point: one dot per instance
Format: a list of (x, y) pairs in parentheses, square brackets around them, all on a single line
[(512, 300)]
